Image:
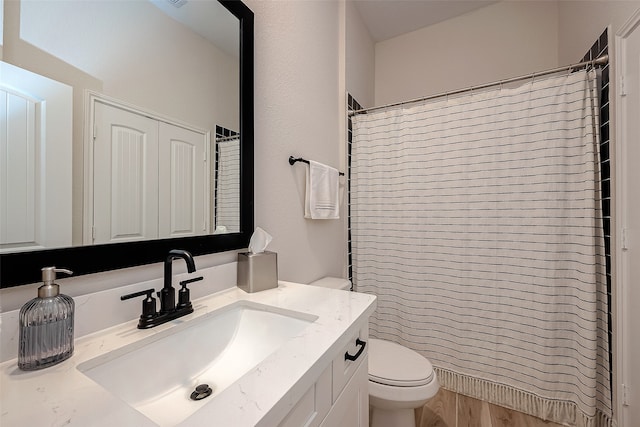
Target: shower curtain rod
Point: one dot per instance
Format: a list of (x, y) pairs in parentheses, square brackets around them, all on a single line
[(227, 138), (603, 60)]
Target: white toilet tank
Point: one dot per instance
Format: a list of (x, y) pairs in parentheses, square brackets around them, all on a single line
[(333, 283)]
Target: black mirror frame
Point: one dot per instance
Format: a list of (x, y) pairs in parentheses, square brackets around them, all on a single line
[(24, 267)]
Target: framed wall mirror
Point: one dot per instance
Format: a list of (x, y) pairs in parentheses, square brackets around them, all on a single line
[(127, 132)]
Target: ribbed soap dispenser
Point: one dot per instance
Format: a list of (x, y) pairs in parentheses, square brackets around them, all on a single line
[(46, 325)]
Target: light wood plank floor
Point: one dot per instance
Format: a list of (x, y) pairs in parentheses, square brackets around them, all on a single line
[(448, 409)]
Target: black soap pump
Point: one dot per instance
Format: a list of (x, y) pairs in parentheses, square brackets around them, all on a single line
[(46, 325)]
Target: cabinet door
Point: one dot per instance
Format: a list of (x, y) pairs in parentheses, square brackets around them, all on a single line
[(125, 174), (183, 201), (313, 405), (351, 408)]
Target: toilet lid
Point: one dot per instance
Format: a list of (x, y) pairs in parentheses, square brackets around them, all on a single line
[(396, 365)]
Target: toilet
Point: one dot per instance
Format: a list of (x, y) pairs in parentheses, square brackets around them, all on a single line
[(400, 379)]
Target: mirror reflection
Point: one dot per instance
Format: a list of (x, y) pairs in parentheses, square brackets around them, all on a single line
[(226, 202), (121, 120)]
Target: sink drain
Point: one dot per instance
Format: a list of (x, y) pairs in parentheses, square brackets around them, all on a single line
[(202, 391)]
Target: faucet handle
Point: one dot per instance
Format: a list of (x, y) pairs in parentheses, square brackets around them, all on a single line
[(184, 298), (148, 307), (184, 283), (148, 293)]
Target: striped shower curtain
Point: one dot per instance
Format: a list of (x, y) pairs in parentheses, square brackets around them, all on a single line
[(227, 185), (477, 223)]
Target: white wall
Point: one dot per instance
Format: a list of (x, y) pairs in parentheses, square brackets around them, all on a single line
[(581, 23), (134, 49), (298, 108), (506, 39), (360, 58), (499, 41)]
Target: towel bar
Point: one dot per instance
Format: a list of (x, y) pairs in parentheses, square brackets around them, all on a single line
[(293, 160)]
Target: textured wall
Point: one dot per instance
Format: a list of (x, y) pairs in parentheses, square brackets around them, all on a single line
[(360, 61), (502, 40), (298, 111)]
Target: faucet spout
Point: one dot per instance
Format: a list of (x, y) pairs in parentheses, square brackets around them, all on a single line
[(173, 254), (167, 294)]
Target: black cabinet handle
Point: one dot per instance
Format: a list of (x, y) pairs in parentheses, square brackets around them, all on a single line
[(362, 345)]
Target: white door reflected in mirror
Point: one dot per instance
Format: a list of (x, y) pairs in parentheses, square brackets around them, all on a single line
[(35, 161), (147, 176)]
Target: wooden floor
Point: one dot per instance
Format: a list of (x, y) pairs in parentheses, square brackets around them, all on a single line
[(448, 409)]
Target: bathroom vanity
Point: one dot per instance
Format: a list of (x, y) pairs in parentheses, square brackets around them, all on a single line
[(283, 358)]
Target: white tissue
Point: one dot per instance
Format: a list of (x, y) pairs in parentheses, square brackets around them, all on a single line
[(259, 241)]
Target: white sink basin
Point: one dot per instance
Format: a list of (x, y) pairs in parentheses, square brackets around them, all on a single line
[(158, 374)]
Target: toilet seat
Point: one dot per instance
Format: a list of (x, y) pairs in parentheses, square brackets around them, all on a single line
[(395, 365)]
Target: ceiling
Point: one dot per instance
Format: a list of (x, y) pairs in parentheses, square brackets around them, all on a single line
[(386, 19)]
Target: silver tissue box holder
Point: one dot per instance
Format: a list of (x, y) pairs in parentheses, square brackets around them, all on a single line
[(257, 272)]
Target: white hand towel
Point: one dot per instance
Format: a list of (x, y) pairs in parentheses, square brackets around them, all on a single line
[(322, 196)]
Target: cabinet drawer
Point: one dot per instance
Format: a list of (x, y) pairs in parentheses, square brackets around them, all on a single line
[(344, 368), (313, 406)]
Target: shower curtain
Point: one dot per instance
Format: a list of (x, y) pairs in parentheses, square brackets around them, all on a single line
[(477, 223), (227, 185)]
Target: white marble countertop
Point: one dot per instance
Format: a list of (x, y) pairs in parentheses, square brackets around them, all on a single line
[(61, 395)]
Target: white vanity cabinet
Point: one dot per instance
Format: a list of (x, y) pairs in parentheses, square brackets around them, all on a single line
[(340, 396), (306, 381)]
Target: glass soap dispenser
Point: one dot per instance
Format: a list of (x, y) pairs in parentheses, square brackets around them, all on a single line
[(46, 325)]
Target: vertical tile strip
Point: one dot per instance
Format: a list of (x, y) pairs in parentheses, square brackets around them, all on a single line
[(352, 105)]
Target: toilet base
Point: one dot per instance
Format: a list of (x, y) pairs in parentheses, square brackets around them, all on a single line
[(395, 417)]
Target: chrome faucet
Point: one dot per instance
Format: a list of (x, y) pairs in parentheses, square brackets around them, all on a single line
[(168, 308)]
